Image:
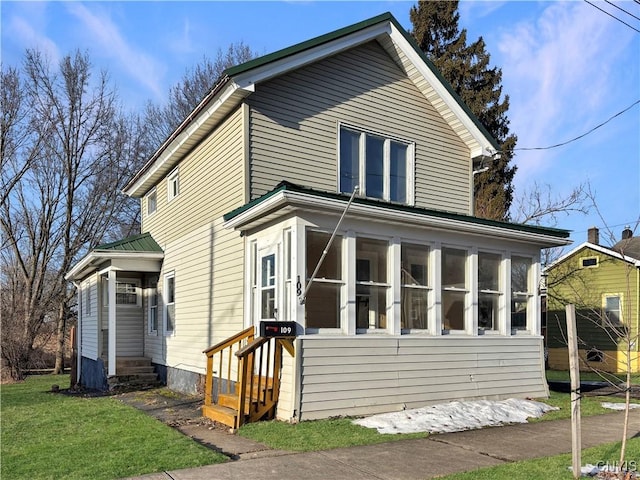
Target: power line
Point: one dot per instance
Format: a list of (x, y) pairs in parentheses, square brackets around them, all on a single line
[(584, 134), (612, 16), (622, 9)]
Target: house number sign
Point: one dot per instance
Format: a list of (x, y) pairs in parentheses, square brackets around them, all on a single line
[(277, 329)]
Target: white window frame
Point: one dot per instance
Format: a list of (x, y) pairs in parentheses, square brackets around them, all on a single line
[(529, 295), (166, 303), (120, 281), (152, 292), (466, 290), (386, 285), (173, 185), (498, 294), (605, 311), (152, 201), (362, 174), (423, 288)]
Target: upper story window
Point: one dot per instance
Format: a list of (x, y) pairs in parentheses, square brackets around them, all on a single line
[(587, 262), (173, 185), (152, 201), (380, 166)]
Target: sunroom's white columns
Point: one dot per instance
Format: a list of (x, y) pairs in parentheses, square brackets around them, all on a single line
[(349, 260), (395, 327), (111, 288)]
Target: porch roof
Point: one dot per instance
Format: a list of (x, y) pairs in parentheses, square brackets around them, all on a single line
[(139, 253), (288, 197)]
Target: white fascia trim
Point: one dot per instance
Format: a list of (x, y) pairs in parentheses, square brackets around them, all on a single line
[(292, 62), (485, 146), (95, 257), (302, 200), (597, 248), (193, 127)]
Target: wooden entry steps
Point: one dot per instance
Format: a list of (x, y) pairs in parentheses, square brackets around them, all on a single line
[(133, 373), (256, 363)]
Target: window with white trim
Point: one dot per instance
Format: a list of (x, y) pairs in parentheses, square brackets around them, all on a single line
[(455, 288), (612, 309), (127, 292), (414, 277), (489, 290), (152, 202), (87, 297), (169, 303), (173, 185), (381, 166), (372, 283), (153, 306), (324, 298), (521, 292)]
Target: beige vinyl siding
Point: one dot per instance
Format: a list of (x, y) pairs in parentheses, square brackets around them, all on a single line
[(287, 388), (89, 330), (360, 376), (211, 184), (294, 126), (207, 259)]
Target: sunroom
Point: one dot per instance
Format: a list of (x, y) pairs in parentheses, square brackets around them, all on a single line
[(407, 305)]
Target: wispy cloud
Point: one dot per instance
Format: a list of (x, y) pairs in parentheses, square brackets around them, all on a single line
[(181, 41), (106, 36), (25, 28), (558, 71)]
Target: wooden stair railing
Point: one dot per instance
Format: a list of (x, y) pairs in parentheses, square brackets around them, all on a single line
[(254, 395)]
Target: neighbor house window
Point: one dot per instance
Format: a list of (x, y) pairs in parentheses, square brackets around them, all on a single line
[(381, 166), (152, 202), (372, 283), (589, 262), (612, 306), (169, 303), (173, 185), (153, 306), (454, 288), (415, 286), (521, 292), (324, 299), (488, 290)]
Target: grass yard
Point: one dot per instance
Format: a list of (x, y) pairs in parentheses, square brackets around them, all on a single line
[(51, 435), (562, 375), (554, 467)]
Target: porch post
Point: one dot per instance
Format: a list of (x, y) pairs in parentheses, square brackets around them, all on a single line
[(111, 277)]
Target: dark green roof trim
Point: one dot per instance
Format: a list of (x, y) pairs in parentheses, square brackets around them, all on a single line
[(328, 37), (290, 187), (137, 243)]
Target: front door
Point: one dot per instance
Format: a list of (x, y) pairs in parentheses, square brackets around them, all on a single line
[(267, 301)]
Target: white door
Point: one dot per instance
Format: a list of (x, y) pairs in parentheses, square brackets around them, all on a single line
[(267, 301)]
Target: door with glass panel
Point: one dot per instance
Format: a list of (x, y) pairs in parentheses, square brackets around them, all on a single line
[(267, 301)]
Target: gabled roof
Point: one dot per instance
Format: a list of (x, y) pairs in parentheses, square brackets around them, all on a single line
[(288, 197), (137, 253), (239, 82), (598, 248)]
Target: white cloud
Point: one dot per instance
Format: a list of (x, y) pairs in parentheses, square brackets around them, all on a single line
[(558, 71), (24, 28), (106, 37)]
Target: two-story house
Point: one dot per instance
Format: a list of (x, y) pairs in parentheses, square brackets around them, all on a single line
[(604, 285), (415, 301)]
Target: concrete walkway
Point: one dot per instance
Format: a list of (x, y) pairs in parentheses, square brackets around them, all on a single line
[(417, 459)]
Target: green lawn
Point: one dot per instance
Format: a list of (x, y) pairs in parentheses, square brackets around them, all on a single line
[(554, 467), (51, 435), (562, 375)]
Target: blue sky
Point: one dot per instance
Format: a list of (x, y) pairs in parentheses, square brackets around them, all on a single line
[(567, 67)]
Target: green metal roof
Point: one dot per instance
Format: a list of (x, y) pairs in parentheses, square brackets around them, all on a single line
[(328, 37), (290, 187), (137, 243)]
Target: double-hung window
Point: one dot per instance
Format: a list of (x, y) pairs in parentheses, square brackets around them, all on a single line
[(153, 306), (372, 283), (152, 202), (612, 306), (521, 292), (488, 290), (414, 276), (382, 167), (454, 289), (169, 303), (324, 299)]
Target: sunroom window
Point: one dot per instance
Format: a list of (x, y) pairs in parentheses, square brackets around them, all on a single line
[(454, 288), (323, 300), (521, 292), (488, 290), (371, 283), (380, 166), (415, 286)]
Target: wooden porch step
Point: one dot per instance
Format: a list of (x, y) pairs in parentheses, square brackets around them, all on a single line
[(225, 415)]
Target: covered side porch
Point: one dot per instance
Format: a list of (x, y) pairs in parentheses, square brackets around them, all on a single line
[(117, 298)]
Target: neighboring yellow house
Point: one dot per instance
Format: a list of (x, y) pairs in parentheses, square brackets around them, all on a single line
[(604, 285)]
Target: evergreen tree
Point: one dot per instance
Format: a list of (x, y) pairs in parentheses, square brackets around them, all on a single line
[(466, 68)]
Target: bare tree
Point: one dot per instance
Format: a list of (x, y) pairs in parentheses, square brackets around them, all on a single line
[(190, 91), (67, 200)]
